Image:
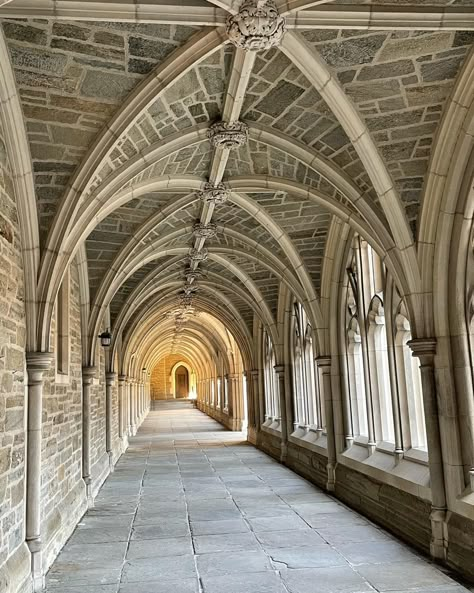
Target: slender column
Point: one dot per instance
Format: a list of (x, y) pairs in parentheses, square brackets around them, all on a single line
[(280, 371), (250, 401), (324, 364), (109, 383), (131, 419), (135, 406), (36, 364), (425, 349), (88, 374), (256, 398), (122, 410), (140, 401), (234, 403)]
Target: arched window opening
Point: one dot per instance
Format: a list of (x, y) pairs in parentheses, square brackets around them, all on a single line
[(272, 402), (409, 386), (219, 392), (357, 393), (307, 411), (62, 329), (380, 377)]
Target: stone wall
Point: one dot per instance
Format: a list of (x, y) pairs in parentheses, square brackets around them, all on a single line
[(62, 487), (161, 387), (99, 457), (13, 553)]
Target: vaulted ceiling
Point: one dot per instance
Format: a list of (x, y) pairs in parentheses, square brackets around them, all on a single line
[(118, 112)]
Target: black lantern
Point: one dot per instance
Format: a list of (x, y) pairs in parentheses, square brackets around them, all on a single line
[(105, 338)]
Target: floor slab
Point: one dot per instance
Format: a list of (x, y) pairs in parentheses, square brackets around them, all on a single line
[(193, 508)]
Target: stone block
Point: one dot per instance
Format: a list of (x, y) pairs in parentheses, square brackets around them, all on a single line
[(25, 32), (45, 61), (107, 85), (352, 52), (440, 70), (387, 70)]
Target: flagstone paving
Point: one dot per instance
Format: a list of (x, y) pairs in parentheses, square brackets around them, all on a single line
[(192, 508)]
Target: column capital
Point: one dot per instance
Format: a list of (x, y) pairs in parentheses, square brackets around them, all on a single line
[(88, 374), (279, 369), (122, 378), (254, 373), (38, 362), (323, 362), (110, 378), (423, 348)]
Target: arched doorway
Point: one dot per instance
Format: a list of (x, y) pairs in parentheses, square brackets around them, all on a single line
[(181, 382)]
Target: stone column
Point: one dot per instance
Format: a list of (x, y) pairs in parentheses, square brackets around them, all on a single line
[(109, 383), (129, 407), (133, 404), (235, 403), (324, 364), (425, 349), (88, 374), (280, 371), (256, 398), (36, 365), (250, 401), (122, 409)]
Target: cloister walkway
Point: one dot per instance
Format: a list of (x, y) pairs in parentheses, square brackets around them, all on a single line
[(191, 508)]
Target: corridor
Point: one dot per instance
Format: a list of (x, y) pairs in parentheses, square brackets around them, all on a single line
[(191, 508)]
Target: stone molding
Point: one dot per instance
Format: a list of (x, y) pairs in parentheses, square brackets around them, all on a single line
[(228, 135), (205, 231), (214, 194), (88, 374), (423, 348), (323, 362), (110, 378), (198, 255), (38, 362)]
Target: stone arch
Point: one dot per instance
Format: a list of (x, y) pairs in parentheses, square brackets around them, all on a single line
[(18, 153), (191, 377)]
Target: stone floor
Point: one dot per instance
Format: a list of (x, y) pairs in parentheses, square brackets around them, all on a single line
[(192, 509)]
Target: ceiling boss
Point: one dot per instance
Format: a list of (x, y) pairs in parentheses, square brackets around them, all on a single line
[(257, 26)]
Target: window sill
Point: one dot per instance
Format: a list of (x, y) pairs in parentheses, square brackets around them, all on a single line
[(313, 440), (407, 474), (62, 379), (270, 428)]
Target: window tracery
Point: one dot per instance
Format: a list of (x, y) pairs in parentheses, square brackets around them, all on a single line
[(384, 396)]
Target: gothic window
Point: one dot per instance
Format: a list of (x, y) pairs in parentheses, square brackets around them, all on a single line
[(62, 327), (409, 386), (384, 398), (272, 403), (304, 380)]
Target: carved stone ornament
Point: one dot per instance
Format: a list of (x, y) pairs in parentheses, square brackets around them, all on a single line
[(257, 26), (190, 289), (195, 255), (214, 194), (206, 231), (186, 300), (228, 135)]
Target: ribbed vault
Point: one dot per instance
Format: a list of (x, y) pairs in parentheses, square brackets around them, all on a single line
[(340, 123)]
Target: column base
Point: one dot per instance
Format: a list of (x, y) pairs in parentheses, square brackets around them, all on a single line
[(439, 539), (90, 498), (283, 452), (331, 483), (37, 576), (111, 461)]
